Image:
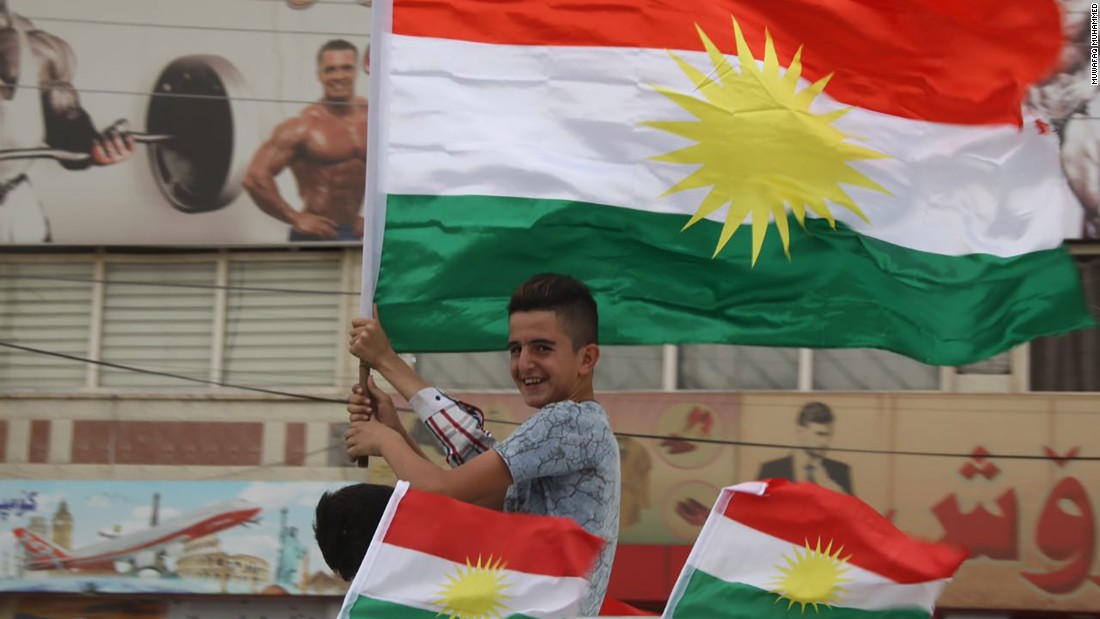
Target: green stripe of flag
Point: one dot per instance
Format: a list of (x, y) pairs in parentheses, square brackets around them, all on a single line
[(707, 596), (450, 264), (370, 608)]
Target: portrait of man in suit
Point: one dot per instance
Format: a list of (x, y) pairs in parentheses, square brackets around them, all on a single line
[(809, 462)]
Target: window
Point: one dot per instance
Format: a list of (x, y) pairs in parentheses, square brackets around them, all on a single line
[(623, 368), (1071, 362), (47, 306), (265, 320), (466, 371), (158, 327), (283, 324), (869, 369), (712, 366)]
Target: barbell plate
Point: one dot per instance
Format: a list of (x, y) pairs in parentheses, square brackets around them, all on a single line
[(195, 100)]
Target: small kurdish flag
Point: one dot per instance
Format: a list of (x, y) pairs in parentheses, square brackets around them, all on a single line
[(850, 173), (772, 549), (433, 556)]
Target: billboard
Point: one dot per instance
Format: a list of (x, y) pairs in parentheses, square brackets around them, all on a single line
[(150, 607), (1012, 479), (82, 608), (162, 537), (1070, 98), (248, 122), (248, 133)]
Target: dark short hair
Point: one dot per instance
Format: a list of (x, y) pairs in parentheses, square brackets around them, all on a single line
[(336, 45), (568, 298), (345, 524), (815, 412)]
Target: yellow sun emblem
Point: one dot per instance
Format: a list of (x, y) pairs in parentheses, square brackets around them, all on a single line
[(759, 147), (812, 578), (475, 592)]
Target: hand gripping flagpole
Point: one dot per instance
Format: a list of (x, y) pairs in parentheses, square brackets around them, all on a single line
[(374, 198)]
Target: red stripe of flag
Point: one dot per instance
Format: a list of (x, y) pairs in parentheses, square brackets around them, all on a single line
[(802, 513), (461, 532), (952, 61)]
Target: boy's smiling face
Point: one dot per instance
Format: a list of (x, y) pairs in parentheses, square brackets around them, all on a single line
[(545, 368)]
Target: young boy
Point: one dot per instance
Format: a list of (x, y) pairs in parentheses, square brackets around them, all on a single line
[(563, 461), (345, 522)]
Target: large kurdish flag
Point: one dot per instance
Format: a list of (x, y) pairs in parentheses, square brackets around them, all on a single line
[(435, 556), (779, 549), (851, 173)]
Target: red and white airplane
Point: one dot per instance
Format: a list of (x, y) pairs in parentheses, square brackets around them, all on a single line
[(43, 555)]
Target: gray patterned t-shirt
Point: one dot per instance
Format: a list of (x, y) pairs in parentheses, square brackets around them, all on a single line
[(565, 462)]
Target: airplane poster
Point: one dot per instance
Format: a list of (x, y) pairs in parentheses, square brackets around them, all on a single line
[(208, 537)]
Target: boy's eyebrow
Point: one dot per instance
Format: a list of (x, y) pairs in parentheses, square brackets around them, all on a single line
[(540, 340)]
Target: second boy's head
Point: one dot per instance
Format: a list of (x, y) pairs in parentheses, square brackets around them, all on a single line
[(345, 522), (553, 342)]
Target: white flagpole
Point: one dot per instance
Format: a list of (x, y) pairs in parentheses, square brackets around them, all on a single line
[(374, 198), (374, 207)]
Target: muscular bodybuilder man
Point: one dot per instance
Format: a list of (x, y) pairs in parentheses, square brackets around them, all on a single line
[(1069, 98), (38, 104), (326, 148)]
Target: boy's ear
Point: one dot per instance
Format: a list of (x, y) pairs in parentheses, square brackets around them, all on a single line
[(590, 355)]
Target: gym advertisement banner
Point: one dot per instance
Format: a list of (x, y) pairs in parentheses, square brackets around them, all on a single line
[(162, 122), (159, 122)]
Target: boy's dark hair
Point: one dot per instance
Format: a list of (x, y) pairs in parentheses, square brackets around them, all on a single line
[(336, 45), (565, 296), (815, 412), (345, 523)]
